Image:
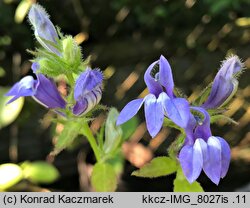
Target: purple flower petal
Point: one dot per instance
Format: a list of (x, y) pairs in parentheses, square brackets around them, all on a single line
[(43, 28), (80, 107), (86, 82), (47, 93), (87, 102), (225, 157), (152, 83), (154, 114), (178, 111), (213, 159), (25, 87), (191, 159), (35, 66), (129, 111), (225, 84), (88, 91), (165, 76), (203, 129)]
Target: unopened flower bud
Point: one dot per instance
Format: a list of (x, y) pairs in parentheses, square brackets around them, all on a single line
[(71, 51), (44, 29)]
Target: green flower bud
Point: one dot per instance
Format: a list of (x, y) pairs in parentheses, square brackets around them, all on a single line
[(71, 52)]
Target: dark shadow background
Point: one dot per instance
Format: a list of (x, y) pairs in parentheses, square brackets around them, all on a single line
[(124, 37)]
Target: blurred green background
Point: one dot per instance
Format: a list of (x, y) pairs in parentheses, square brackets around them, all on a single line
[(123, 37)]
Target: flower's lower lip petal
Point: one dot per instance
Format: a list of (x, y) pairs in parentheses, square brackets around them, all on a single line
[(129, 111), (22, 88), (80, 107), (212, 160), (178, 111), (154, 114), (22, 93), (191, 160), (225, 157)]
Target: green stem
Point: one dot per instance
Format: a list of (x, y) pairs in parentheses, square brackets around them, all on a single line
[(89, 135), (70, 79)]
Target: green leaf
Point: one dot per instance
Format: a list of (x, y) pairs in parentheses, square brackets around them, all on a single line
[(182, 185), (129, 127), (10, 174), (117, 162), (8, 113), (176, 145), (216, 118), (113, 133), (179, 93), (69, 133), (159, 166), (103, 178), (40, 172), (203, 96)]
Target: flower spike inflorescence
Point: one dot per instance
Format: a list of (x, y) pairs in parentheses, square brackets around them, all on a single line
[(201, 150), (60, 55)]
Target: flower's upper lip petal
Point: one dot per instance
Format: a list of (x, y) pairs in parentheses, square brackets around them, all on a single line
[(86, 82), (203, 130), (212, 160), (153, 85), (225, 84), (154, 114), (129, 111), (166, 76), (225, 156), (191, 159)]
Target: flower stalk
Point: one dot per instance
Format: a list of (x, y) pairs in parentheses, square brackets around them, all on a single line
[(86, 131)]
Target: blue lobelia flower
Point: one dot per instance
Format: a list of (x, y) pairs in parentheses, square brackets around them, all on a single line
[(44, 29), (160, 101), (88, 91), (203, 151), (43, 90), (225, 83)]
